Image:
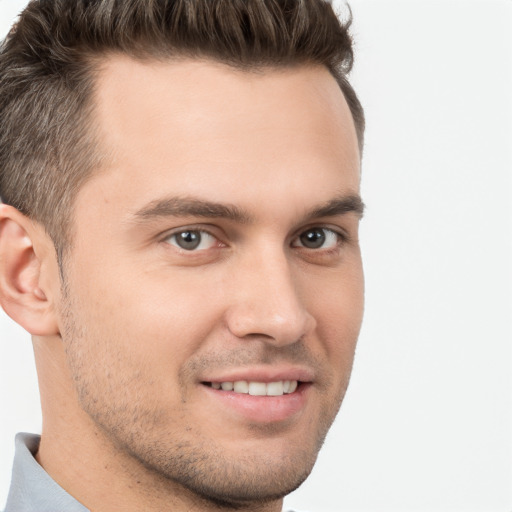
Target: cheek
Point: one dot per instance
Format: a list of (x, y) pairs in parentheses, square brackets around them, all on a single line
[(158, 318), (339, 312)]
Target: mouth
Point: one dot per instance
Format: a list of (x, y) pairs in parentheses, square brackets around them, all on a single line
[(255, 388), (259, 397)]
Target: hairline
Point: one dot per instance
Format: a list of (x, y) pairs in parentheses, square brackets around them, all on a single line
[(98, 155)]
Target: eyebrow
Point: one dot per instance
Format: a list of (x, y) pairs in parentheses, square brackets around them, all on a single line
[(340, 206), (192, 207)]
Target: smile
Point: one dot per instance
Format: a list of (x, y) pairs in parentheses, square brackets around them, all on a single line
[(254, 388)]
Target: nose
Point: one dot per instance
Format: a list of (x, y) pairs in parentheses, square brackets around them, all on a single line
[(266, 302)]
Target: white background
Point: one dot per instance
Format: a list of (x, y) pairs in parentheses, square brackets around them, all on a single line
[(427, 423)]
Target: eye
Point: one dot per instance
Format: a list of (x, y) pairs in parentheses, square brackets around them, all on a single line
[(192, 240), (317, 238)]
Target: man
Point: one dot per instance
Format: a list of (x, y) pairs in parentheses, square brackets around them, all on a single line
[(179, 234)]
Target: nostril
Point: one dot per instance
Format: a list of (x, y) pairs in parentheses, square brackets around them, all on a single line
[(275, 328)]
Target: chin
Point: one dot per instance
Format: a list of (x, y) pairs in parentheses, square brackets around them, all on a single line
[(237, 487), (233, 480)]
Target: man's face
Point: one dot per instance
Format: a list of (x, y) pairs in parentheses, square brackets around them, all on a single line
[(219, 246)]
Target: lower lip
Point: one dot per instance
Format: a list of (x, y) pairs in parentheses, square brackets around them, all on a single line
[(263, 409)]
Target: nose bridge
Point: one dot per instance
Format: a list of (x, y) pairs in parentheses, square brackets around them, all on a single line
[(267, 299)]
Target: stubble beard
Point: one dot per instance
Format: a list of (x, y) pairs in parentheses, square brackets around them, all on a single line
[(177, 459)]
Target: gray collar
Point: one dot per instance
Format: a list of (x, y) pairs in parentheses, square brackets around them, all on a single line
[(32, 489)]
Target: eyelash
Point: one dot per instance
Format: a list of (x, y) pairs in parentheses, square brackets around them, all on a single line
[(201, 232), (340, 239)]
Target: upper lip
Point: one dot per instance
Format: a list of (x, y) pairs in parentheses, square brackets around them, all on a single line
[(262, 374)]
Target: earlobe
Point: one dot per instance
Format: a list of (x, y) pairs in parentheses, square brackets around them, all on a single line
[(21, 294)]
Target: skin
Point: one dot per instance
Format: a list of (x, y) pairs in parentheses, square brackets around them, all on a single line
[(124, 347)]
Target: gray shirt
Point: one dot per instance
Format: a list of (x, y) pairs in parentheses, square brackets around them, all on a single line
[(32, 488)]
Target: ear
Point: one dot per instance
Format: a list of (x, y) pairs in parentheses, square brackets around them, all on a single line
[(23, 251)]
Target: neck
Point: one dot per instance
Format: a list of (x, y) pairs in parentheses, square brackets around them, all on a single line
[(89, 466), (106, 483)]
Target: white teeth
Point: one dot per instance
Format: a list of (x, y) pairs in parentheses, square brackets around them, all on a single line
[(241, 386), (254, 388), (257, 388), (275, 388)]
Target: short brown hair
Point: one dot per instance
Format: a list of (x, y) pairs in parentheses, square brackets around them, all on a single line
[(47, 65)]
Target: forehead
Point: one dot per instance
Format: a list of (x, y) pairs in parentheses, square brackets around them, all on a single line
[(197, 127)]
